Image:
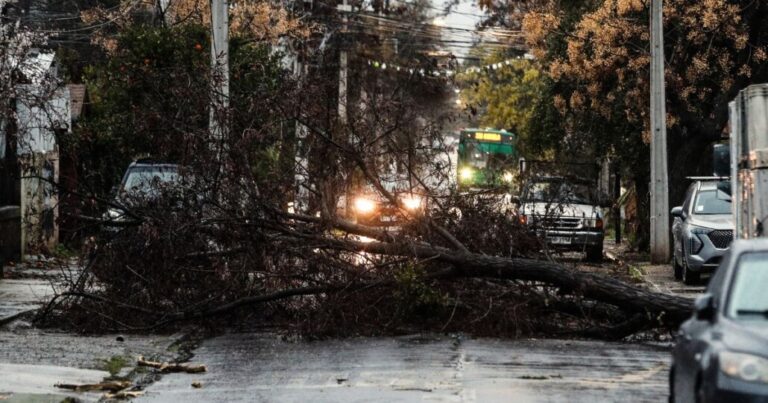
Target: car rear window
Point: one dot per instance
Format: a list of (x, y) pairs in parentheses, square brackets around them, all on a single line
[(141, 179)]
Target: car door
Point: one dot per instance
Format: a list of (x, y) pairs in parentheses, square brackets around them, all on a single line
[(696, 340), (678, 226)]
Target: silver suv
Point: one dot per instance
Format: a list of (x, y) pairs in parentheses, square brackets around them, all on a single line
[(702, 230)]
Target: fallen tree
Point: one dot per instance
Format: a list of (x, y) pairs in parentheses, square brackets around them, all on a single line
[(314, 271), (221, 246)]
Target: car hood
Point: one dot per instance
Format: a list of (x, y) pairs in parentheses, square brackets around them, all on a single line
[(746, 336), (568, 210), (714, 221)]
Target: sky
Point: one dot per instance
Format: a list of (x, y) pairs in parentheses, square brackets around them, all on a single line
[(465, 15)]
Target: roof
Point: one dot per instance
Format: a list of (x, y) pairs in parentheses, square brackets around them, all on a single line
[(76, 99), (741, 246), (36, 65), (708, 185), (489, 130)]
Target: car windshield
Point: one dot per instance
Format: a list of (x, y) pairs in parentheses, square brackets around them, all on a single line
[(146, 180), (559, 191), (709, 202), (748, 299)]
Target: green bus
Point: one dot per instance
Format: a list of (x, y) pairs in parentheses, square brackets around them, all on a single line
[(488, 158)]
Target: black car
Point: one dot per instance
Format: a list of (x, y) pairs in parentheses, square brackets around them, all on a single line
[(721, 353)]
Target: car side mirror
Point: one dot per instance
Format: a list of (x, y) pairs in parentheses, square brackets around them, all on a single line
[(113, 191), (677, 212), (705, 307)]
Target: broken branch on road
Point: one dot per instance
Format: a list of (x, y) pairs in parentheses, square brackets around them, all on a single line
[(168, 367)]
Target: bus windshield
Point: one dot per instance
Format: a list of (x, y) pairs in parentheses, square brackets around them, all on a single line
[(492, 156)]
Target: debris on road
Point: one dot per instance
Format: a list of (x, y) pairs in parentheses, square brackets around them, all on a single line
[(125, 394), (166, 367), (112, 386)]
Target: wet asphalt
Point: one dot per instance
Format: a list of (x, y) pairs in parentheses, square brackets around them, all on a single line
[(248, 367), (259, 367)]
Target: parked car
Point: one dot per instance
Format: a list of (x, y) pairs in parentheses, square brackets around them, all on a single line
[(565, 213), (142, 181), (702, 230), (721, 352)]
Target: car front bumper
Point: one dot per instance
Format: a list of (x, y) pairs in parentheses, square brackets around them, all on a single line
[(572, 240), (707, 259), (731, 390)]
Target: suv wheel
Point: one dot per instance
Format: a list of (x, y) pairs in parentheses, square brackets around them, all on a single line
[(678, 269), (689, 277), (595, 253)]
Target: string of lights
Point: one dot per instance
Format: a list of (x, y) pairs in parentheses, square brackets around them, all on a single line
[(425, 72)]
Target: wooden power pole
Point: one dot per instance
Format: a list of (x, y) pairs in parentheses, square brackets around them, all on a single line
[(660, 250)]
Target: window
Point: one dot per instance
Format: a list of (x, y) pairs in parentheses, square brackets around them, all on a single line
[(559, 191), (748, 299), (688, 197), (709, 202), (147, 179)]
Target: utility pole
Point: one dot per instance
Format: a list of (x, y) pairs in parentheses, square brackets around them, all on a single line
[(220, 72), (344, 8), (659, 177)]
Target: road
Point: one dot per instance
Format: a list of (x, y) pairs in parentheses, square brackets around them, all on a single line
[(264, 367), (259, 367), (33, 360)]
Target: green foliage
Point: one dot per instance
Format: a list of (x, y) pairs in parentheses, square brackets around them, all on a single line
[(506, 98), (151, 97), (114, 364), (63, 252), (414, 295), (145, 98)]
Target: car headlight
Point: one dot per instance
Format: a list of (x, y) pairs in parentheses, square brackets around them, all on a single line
[(364, 205), (466, 173), (411, 202), (593, 223), (695, 238), (745, 367), (508, 177), (114, 214)]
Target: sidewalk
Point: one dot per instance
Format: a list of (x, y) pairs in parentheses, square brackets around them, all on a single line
[(33, 360)]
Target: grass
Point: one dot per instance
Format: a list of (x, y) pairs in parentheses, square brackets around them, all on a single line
[(636, 273), (115, 364), (63, 252)]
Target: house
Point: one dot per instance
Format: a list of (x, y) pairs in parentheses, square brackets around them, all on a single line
[(29, 155)]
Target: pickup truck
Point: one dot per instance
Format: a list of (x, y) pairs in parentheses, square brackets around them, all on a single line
[(565, 213)]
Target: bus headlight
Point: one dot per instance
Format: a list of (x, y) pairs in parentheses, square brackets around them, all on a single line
[(466, 173), (412, 202), (364, 205)]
